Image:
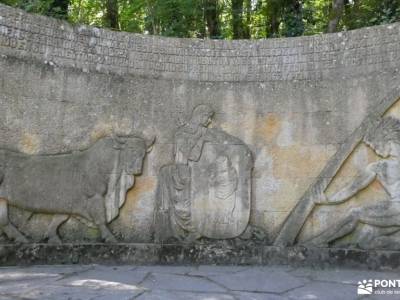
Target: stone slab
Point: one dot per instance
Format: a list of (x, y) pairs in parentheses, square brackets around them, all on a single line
[(111, 282)]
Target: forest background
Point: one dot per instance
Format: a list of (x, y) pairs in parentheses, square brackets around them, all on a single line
[(220, 19)]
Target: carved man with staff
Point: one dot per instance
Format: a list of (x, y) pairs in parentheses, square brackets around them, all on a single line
[(385, 141), (372, 127)]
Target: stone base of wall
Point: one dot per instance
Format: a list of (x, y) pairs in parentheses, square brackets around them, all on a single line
[(145, 254)]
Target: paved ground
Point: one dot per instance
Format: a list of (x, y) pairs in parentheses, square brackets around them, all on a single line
[(186, 283)]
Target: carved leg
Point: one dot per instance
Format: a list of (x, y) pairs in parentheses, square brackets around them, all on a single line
[(339, 230), (383, 220), (98, 214), (376, 215), (106, 234), (7, 227), (346, 229), (51, 233), (385, 242)]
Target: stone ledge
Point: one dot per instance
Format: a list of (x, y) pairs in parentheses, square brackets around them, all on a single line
[(145, 254)]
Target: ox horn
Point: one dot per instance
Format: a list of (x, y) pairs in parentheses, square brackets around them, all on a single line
[(150, 143), (149, 138), (119, 141)]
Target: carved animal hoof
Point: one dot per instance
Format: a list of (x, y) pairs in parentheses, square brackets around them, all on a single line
[(110, 239), (191, 238), (316, 245), (21, 240), (54, 240)]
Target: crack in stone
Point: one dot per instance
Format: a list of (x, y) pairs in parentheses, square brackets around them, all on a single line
[(141, 294), (294, 288), (229, 291), (147, 276), (313, 279), (75, 273)]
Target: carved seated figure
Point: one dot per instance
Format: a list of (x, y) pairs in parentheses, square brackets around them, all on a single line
[(385, 141)]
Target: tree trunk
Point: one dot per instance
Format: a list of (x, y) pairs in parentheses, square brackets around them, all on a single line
[(111, 16), (273, 26), (59, 9), (297, 8), (237, 19), (336, 15), (211, 16), (293, 18), (247, 33), (274, 14)]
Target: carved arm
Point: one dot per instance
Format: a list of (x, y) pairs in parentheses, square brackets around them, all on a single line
[(360, 183)]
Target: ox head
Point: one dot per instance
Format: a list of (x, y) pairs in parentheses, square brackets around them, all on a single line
[(133, 150)]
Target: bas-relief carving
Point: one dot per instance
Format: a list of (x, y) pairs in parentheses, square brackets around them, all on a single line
[(90, 185), (382, 135), (206, 192), (385, 141)]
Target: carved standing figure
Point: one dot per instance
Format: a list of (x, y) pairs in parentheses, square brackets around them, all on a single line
[(90, 184), (173, 211), (385, 141), (206, 192)]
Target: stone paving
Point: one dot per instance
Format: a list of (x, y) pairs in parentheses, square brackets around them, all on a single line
[(75, 282)]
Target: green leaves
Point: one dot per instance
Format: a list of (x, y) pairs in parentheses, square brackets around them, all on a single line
[(226, 19)]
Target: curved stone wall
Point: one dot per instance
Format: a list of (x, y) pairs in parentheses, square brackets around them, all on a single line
[(294, 102), (305, 58)]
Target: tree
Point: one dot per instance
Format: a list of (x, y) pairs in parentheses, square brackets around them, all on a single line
[(284, 18), (111, 15), (292, 18), (217, 19), (335, 15), (363, 13), (273, 17), (58, 8), (211, 15), (240, 28)]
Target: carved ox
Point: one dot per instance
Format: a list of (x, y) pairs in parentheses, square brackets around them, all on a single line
[(90, 184)]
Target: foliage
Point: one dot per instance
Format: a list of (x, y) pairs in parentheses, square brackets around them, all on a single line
[(225, 19), (370, 12)]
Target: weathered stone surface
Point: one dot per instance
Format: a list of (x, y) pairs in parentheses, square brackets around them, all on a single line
[(181, 283), (323, 290), (177, 295), (92, 282), (258, 296), (294, 103), (275, 281), (144, 254), (309, 58)]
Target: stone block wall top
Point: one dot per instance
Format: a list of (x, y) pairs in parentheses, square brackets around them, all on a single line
[(310, 58)]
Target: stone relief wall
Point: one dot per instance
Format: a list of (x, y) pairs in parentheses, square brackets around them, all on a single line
[(291, 121)]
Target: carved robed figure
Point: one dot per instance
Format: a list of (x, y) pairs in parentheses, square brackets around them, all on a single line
[(206, 192)]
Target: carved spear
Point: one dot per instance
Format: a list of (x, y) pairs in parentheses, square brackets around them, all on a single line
[(297, 217)]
